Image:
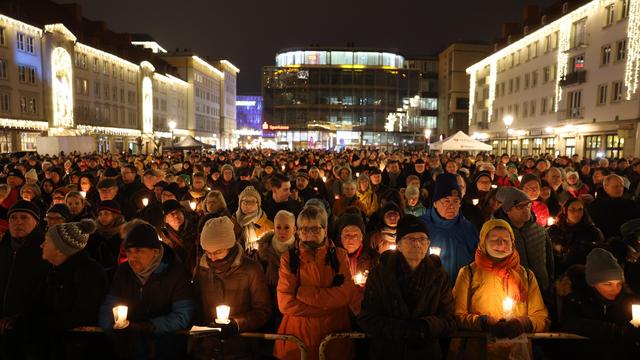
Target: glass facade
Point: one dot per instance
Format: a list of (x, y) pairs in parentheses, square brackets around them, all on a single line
[(249, 112), (339, 57)]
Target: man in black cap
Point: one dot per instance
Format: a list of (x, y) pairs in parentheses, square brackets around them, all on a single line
[(22, 273), (156, 289), (408, 304)]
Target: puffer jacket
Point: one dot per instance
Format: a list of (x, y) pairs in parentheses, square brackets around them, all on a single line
[(312, 308), (370, 201), (385, 315), (478, 292)]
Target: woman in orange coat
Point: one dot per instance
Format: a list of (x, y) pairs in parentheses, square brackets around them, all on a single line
[(314, 290)]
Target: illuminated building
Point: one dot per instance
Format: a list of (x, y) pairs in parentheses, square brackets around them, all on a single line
[(227, 102), (249, 112), (338, 97), (568, 78)]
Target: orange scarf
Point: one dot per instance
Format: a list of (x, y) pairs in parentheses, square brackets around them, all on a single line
[(507, 271)]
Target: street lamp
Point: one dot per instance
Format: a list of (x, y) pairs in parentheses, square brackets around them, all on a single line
[(507, 120), (427, 137), (172, 126)]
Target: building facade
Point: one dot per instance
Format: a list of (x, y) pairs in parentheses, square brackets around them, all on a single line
[(570, 84), (429, 102), (339, 97), (53, 83), (453, 85)]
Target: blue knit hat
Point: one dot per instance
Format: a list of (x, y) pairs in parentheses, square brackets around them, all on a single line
[(446, 185)]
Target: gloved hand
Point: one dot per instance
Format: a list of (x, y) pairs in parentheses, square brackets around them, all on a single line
[(498, 329), (515, 327), (417, 329), (227, 330), (7, 324), (631, 335)]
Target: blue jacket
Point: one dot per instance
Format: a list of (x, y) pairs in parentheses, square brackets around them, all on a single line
[(457, 240)]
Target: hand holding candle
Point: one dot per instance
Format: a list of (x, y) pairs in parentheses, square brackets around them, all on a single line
[(507, 307), (475, 202), (193, 205), (434, 250), (360, 279), (550, 221), (222, 314), (145, 202), (635, 313), (120, 317)]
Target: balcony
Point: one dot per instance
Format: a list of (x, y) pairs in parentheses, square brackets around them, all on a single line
[(571, 113), (574, 78)]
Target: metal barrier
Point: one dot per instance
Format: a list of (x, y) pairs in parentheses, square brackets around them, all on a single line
[(272, 337), (469, 334)]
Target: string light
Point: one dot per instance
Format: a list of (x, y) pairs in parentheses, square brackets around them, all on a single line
[(102, 130), (472, 94), (62, 93), (229, 64), (147, 105), (60, 28), (105, 56), (19, 25), (632, 70), (24, 124), (564, 38), (208, 66), (493, 77)]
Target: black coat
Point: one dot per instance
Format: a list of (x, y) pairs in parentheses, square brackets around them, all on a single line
[(132, 195), (271, 208), (22, 273), (572, 243), (74, 291), (386, 317), (609, 214), (605, 322)]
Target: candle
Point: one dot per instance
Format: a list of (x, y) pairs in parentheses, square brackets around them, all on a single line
[(145, 202), (357, 174), (360, 279), (193, 205), (392, 247), (337, 197), (435, 250), (550, 221), (475, 202), (83, 193), (282, 167), (120, 317), (507, 307), (324, 179), (520, 178), (315, 188), (635, 313), (222, 314), (494, 186)]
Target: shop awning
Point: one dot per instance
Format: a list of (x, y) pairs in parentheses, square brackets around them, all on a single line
[(188, 143), (460, 142)]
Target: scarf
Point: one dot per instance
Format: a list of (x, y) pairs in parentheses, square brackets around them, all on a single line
[(223, 265), (353, 260), (506, 269), (282, 247), (247, 223), (412, 282), (388, 235), (312, 245), (145, 274)]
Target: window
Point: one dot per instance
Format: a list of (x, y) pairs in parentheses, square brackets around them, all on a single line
[(621, 50), (20, 41), (5, 103), (524, 147), (556, 36), (2, 39), (602, 94), (616, 94), (106, 92), (579, 33), (537, 146), (114, 96), (535, 49), (577, 63), (525, 109), (528, 53), (575, 104), (550, 145), (609, 15), (516, 109), (614, 146), (105, 67), (624, 9), (526, 80), (569, 146), (96, 89), (517, 84), (543, 105), (532, 108), (96, 65), (3, 69), (26, 74), (28, 104), (591, 146), (605, 55), (29, 45), (114, 70), (546, 74), (510, 86), (534, 79), (32, 107)]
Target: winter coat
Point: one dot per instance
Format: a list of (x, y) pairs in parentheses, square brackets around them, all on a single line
[(165, 300), (534, 247), (73, 294), (604, 322), (270, 261), (104, 245), (230, 192), (262, 226), (311, 307), (457, 240), (185, 244), (609, 214), (243, 288), (541, 212), (479, 292), (418, 210), (342, 203), (132, 195), (271, 208), (572, 243), (22, 273), (370, 201), (386, 317), (361, 262), (578, 189)]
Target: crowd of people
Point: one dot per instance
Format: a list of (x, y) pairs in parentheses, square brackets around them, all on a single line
[(410, 248)]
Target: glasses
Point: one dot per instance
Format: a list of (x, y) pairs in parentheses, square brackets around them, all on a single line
[(315, 230), (419, 239)]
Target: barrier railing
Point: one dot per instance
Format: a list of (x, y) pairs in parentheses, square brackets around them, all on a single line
[(479, 335)]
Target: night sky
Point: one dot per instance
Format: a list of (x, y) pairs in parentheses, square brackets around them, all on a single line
[(249, 33)]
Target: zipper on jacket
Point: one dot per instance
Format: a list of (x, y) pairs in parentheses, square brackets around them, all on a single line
[(6, 287)]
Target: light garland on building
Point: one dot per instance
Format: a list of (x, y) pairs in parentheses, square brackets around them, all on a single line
[(229, 64), (103, 130), (62, 91), (564, 41), (24, 124), (632, 70), (147, 105), (19, 25), (493, 77), (105, 56), (60, 28), (472, 94), (177, 80), (210, 67)]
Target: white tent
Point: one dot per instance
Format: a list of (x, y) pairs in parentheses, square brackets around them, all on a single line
[(460, 142)]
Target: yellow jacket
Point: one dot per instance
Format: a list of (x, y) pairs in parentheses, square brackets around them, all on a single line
[(370, 201)]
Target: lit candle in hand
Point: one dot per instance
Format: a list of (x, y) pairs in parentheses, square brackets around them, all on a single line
[(145, 202), (507, 307), (550, 221), (360, 279), (392, 247), (494, 186), (193, 205), (475, 202), (120, 317), (635, 313), (435, 250), (222, 314)]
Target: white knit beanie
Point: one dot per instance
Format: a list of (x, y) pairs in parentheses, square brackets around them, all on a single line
[(217, 234), (250, 191)]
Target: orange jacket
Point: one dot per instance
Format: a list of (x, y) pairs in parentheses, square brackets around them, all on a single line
[(312, 309)]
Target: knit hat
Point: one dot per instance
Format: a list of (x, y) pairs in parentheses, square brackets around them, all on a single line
[(17, 173), (529, 177), (510, 197), (602, 266), (226, 167), (142, 235), (490, 225), (410, 224), (72, 237), (572, 173), (111, 172), (446, 185), (25, 206), (350, 219), (302, 173), (250, 191), (110, 205), (217, 234), (412, 192), (481, 174), (170, 206), (390, 206), (172, 188), (61, 209), (31, 174)]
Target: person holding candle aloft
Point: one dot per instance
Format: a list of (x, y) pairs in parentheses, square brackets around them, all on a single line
[(155, 287), (496, 294), (314, 290), (226, 276), (600, 308)]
